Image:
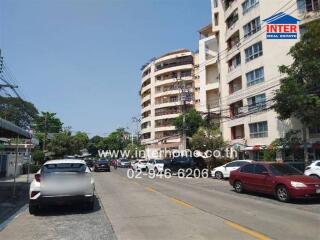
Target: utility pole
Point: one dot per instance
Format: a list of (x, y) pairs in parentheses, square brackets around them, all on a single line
[(184, 97), (45, 131)]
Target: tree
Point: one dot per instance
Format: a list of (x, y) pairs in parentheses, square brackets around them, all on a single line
[(93, 145), (193, 121), (286, 145), (133, 149), (299, 94), (47, 122), (208, 138), (79, 141), (61, 144), (17, 111), (116, 140), (38, 156)]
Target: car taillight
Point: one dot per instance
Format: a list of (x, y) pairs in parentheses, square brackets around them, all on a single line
[(37, 177), (33, 193)]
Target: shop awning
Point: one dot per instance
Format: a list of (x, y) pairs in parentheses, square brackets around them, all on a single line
[(10, 130)]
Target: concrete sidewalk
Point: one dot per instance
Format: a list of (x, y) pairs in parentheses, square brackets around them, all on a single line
[(10, 204)]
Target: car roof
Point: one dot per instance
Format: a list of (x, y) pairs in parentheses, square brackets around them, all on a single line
[(57, 161)]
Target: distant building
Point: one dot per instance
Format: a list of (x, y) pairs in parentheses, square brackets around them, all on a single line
[(162, 81)]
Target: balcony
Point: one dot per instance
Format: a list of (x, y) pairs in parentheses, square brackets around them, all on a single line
[(179, 61), (230, 6), (309, 10)]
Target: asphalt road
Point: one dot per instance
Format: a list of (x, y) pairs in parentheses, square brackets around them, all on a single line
[(200, 209), (144, 208)]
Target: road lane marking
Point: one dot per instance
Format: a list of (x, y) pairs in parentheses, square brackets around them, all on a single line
[(182, 203), (150, 189), (247, 231)]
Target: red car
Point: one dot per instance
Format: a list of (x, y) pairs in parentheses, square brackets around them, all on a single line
[(278, 179)]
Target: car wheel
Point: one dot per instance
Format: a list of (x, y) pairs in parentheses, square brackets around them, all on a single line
[(218, 175), (282, 193), (90, 204), (238, 187), (33, 208), (314, 176)]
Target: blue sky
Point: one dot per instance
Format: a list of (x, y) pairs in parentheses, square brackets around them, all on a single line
[(82, 58)]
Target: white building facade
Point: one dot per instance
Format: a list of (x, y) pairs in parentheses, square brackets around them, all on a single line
[(239, 70), (161, 82)]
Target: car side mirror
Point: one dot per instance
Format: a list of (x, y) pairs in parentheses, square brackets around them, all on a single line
[(265, 173)]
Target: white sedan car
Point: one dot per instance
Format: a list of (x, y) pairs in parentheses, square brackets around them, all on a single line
[(60, 181), (313, 169), (225, 170), (139, 165), (155, 165)]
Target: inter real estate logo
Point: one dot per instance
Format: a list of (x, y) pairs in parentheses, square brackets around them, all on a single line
[(281, 26)]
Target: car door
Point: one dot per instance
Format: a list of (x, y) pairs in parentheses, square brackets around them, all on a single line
[(229, 167), (262, 181), (246, 176)]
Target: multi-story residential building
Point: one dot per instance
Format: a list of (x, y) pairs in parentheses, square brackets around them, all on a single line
[(163, 79), (238, 70)]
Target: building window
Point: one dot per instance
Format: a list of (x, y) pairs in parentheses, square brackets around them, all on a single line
[(232, 19), (257, 103), (249, 4), (234, 62), (258, 129), (253, 51), (252, 27), (254, 77)]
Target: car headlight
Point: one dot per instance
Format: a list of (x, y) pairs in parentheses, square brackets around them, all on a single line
[(298, 184)]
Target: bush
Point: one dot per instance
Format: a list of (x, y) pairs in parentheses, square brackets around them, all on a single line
[(33, 168)]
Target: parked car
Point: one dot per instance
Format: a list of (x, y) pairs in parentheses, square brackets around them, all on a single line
[(124, 163), (155, 165), (102, 165), (89, 162), (140, 165), (61, 181), (184, 162), (281, 180), (224, 170), (313, 170)]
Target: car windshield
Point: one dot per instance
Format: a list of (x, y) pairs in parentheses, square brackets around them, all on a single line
[(143, 162), (124, 160), (159, 161), (64, 167), (283, 170)]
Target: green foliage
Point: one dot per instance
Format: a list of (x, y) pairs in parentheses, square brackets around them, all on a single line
[(193, 121), (80, 140), (116, 140), (207, 138), (285, 144), (47, 122), (133, 149), (17, 111), (93, 145), (38, 156), (299, 94)]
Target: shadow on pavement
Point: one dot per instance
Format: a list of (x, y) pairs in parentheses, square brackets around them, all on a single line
[(307, 201), (70, 208), (9, 205)]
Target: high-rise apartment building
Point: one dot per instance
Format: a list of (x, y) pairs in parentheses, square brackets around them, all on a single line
[(239, 70), (163, 80)]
